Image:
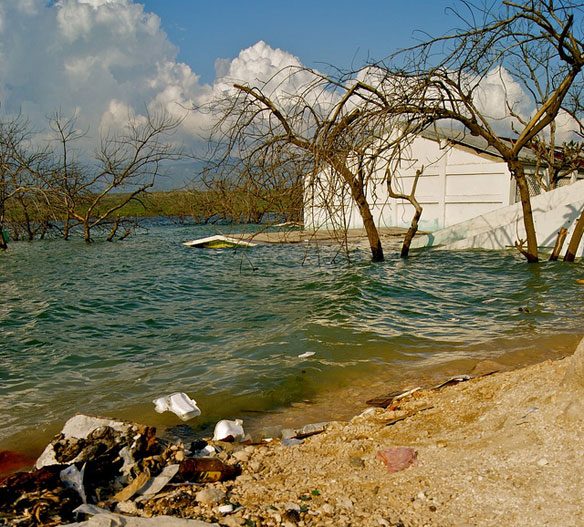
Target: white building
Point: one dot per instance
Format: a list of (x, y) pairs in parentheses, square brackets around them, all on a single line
[(462, 178)]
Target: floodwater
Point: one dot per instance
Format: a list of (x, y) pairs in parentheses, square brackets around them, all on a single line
[(106, 328)]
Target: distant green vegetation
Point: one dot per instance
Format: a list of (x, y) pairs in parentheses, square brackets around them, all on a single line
[(204, 206), (169, 204), (27, 218)]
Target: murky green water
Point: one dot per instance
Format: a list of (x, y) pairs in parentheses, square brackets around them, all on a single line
[(105, 328)]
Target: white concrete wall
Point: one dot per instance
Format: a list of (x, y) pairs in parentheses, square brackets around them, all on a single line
[(500, 229), (456, 184)]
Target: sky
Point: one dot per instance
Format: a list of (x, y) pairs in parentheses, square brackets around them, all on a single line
[(104, 60), (318, 32)]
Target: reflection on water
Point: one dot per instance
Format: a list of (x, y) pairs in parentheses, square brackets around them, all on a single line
[(106, 328)]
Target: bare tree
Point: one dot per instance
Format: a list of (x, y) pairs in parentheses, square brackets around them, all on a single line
[(534, 44), (22, 198), (334, 136), (127, 164)]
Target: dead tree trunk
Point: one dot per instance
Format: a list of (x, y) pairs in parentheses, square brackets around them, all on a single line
[(114, 229), (370, 227), (3, 241), (358, 195), (531, 252), (559, 244), (575, 240), (411, 197)]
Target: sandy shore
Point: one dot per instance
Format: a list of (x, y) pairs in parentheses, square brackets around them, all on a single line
[(500, 450), (503, 449)]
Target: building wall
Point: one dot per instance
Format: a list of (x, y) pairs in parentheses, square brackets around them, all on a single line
[(456, 184)]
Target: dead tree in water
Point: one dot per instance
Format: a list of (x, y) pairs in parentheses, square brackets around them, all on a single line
[(128, 162), (536, 46), (334, 135), (23, 206)]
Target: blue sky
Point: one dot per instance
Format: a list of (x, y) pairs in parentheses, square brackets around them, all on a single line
[(341, 32), (100, 59)]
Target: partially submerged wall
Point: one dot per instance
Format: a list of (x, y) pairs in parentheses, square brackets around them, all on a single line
[(501, 228), (456, 184)]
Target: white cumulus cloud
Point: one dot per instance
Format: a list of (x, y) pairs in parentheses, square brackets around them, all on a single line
[(277, 71), (101, 60), (104, 60), (499, 96)]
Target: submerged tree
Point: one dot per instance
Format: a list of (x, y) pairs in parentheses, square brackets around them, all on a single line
[(536, 45), (53, 188), (128, 162), (330, 138), (343, 132), (23, 197)]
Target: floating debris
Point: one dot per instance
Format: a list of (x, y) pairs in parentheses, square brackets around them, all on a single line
[(179, 403), (490, 300), (218, 242), (306, 355)]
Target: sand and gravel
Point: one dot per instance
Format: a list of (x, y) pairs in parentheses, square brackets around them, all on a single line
[(502, 450)]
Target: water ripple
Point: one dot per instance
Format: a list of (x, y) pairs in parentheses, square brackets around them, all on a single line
[(107, 327)]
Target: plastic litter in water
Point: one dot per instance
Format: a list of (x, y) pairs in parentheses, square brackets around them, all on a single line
[(306, 355), (226, 429), (179, 403)]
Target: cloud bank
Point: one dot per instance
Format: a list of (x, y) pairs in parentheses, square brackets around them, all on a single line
[(102, 60)]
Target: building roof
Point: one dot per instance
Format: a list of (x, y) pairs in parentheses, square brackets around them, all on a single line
[(477, 143)]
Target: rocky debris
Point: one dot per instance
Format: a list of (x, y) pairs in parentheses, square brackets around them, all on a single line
[(210, 496), (36, 498), (86, 438), (574, 378), (117, 466), (104, 518), (397, 458)]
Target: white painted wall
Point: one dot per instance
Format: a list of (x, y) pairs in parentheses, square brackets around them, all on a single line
[(456, 184), (500, 229)]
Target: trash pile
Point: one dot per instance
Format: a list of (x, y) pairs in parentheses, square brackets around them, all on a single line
[(114, 471), (102, 472)]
